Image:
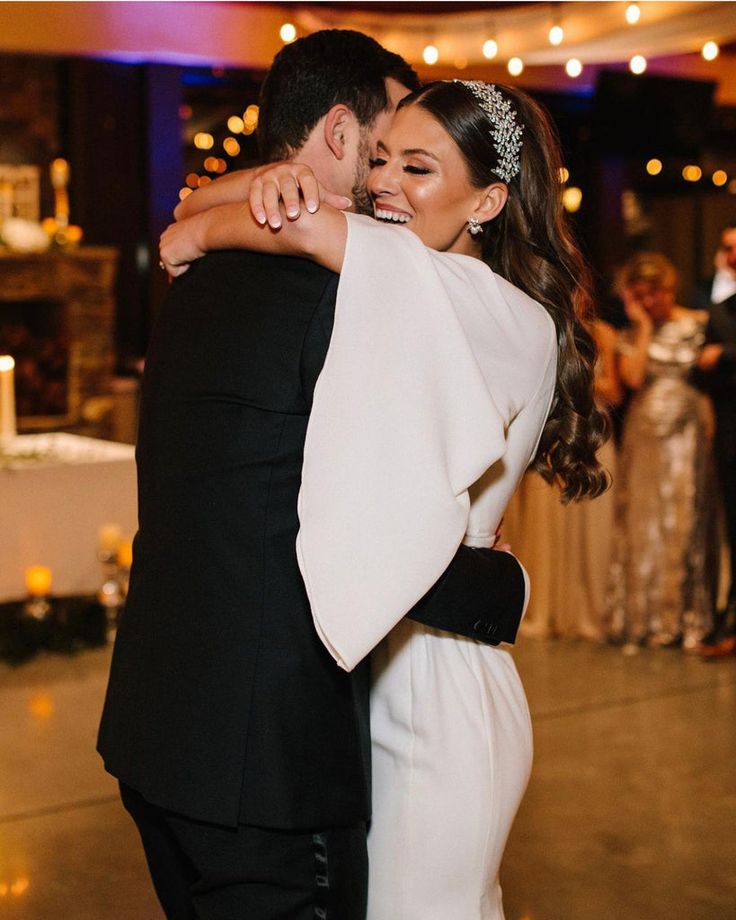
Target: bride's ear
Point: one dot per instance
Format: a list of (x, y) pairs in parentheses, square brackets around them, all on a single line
[(338, 124), (492, 202)]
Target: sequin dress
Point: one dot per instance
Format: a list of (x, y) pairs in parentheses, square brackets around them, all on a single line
[(661, 579)]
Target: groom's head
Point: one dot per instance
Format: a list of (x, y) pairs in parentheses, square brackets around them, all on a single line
[(325, 99)]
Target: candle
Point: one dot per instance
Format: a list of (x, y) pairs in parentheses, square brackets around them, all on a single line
[(125, 554), (7, 399), (38, 580), (109, 536)]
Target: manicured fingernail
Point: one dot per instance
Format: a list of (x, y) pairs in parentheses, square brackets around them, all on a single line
[(275, 222), (311, 205), (260, 217), (293, 211)]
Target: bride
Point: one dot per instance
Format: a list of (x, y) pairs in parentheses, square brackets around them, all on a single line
[(461, 354)]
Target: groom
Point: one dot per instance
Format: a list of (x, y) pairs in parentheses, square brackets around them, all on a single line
[(242, 750)]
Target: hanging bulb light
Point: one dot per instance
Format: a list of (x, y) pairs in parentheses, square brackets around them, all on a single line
[(556, 35), (710, 51), (654, 166), (719, 177), (287, 32), (430, 54), (515, 66), (633, 14), (490, 49), (573, 68), (638, 64)]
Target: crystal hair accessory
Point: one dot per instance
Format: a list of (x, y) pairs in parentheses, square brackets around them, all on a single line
[(506, 131)]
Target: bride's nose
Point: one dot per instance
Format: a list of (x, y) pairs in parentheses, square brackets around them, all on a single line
[(383, 180)]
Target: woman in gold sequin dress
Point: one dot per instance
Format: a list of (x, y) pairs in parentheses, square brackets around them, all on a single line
[(661, 582)]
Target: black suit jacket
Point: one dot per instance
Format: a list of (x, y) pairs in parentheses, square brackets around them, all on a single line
[(222, 704)]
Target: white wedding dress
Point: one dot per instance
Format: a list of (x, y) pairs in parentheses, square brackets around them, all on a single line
[(435, 389)]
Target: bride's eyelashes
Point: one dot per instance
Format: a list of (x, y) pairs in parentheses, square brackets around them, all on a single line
[(409, 168)]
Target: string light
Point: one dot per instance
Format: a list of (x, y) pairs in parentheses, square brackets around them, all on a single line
[(710, 51), (184, 193), (572, 198), (231, 146), (573, 68), (235, 124), (556, 35), (287, 32), (192, 180), (490, 49), (515, 66), (719, 178), (654, 167), (564, 174), (638, 64), (633, 13), (692, 173), (203, 141), (431, 55)]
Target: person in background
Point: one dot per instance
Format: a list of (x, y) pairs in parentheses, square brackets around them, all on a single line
[(717, 365), (661, 582)]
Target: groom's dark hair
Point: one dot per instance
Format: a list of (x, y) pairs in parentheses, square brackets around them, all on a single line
[(314, 73)]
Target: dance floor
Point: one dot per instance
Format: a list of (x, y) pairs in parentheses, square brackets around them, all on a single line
[(630, 813)]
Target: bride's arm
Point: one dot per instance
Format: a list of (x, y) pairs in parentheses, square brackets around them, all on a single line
[(264, 186), (320, 236)]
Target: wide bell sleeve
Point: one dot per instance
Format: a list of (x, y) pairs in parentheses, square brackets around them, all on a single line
[(402, 423)]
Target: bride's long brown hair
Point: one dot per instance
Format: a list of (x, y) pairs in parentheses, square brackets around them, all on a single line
[(530, 244)]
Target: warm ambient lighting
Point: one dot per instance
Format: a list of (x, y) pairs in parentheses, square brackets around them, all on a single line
[(6, 363), (38, 580), (633, 13), (490, 49), (287, 32), (231, 146), (564, 174), (515, 66), (203, 141), (692, 173), (431, 55), (556, 35), (710, 51), (573, 68), (572, 198), (654, 167), (638, 64), (192, 180), (235, 124), (184, 193), (719, 177)]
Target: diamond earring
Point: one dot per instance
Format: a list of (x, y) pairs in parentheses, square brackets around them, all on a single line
[(474, 226)]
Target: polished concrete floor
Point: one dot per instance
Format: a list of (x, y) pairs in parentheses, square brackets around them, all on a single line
[(630, 814)]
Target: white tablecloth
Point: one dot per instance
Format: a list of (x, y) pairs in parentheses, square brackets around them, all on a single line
[(56, 491)]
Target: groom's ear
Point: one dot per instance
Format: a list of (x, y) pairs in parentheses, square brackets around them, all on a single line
[(338, 124)]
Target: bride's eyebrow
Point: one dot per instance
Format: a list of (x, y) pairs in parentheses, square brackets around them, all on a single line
[(419, 151)]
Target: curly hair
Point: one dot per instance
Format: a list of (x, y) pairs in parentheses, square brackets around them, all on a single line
[(530, 244)]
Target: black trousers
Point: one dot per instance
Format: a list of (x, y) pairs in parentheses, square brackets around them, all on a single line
[(209, 872)]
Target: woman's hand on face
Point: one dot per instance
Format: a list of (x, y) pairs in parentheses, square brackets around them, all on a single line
[(177, 247), (288, 184), (636, 312)]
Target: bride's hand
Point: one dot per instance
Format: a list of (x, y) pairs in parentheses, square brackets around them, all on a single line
[(178, 246), (288, 184)]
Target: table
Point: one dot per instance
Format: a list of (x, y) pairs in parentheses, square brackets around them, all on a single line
[(56, 491)]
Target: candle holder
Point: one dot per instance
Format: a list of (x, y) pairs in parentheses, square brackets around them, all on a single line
[(111, 595)]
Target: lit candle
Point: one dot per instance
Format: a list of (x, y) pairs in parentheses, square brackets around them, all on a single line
[(7, 399), (109, 536), (38, 580), (125, 554)]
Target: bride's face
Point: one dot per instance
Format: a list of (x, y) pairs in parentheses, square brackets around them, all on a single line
[(419, 180)]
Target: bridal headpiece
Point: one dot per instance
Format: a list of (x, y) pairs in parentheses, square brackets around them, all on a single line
[(505, 131)]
